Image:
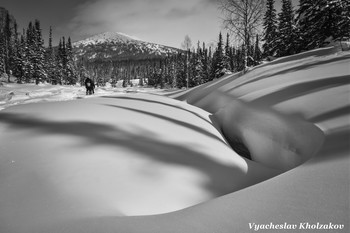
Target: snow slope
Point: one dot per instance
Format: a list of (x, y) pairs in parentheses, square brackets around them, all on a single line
[(117, 46), (97, 159), (107, 37)]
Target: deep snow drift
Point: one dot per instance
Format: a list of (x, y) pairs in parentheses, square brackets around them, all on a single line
[(78, 166)]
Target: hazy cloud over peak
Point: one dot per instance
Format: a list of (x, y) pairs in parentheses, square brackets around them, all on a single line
[(146, 19)]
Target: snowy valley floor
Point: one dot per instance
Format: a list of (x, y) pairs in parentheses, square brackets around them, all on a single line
[(158, 161)]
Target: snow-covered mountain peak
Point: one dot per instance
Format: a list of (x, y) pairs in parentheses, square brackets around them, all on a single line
[(117, 46), (107, 37)]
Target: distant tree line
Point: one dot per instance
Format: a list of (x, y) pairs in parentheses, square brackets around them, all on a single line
[(185, 69), (254, 25)]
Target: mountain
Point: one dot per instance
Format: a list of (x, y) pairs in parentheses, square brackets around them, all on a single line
[(117, 46)]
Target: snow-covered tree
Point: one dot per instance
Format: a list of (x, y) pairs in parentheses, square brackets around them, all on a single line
[(270, 29), (39, 55), (59, 64), (196, 66), (218, 62), (257, 52), (227, 53), (29, 53), (2, 54), (286, 42), (70, 65), (323, 20), (21, 61), (50, 60), (205, 64)]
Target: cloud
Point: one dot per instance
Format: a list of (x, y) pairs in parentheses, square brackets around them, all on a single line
[(153, 20), (177, 13)]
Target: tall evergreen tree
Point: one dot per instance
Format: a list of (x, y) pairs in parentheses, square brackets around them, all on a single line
[(50, 60), (257, 52), (8, 53), (21, 59), (59, 64), (232, 59), (305, 24), (218, 63), (286, 37), (29, 53), (323, 20), (70, 66), (227, 53), (16, 56), (270, 29), (2, 53), (39, 72), (205, 64)]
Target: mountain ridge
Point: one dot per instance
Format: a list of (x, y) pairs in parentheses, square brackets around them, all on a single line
[(106, 37), (118, 46)]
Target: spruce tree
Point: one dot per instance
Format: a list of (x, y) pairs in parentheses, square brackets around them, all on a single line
[(29, 53), (7, 45), (305, 24), (16, 56), (205, 64), (21, 59), (286, 41), (219, 59), (270, 29), (71, 68), (59, 64), (335, 21), (323, 20), (2, 54), (257, 52), (63, 57), (197, 66), (227, 53), (50, 60), (343, 24), (39, 55), (232, 59)]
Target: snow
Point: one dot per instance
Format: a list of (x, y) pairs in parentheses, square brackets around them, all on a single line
[(14, 94), (118, 42), (107, 37), (85, 164)]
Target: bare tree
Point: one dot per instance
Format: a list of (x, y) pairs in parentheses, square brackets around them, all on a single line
[(243, 18), (187, 44)]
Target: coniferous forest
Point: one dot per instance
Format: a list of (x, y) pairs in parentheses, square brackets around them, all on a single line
[(313, 24)]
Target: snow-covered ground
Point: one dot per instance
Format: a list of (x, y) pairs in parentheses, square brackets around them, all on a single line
[(84, 165), (13, 94)]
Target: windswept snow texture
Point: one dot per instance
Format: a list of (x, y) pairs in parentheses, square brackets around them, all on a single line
[(82, 165)]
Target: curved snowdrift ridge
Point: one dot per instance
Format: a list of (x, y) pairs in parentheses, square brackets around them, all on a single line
[(277, 141), (249, 109), (317, 191)]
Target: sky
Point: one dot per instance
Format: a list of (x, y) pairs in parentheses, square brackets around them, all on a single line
[(165, 22)]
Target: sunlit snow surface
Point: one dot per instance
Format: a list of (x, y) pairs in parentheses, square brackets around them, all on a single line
[(13, 94), (76, 166)]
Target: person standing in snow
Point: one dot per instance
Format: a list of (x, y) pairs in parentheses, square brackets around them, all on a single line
[(90, 86)]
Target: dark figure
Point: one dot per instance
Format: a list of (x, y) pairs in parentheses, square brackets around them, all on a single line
[(90, 86)]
